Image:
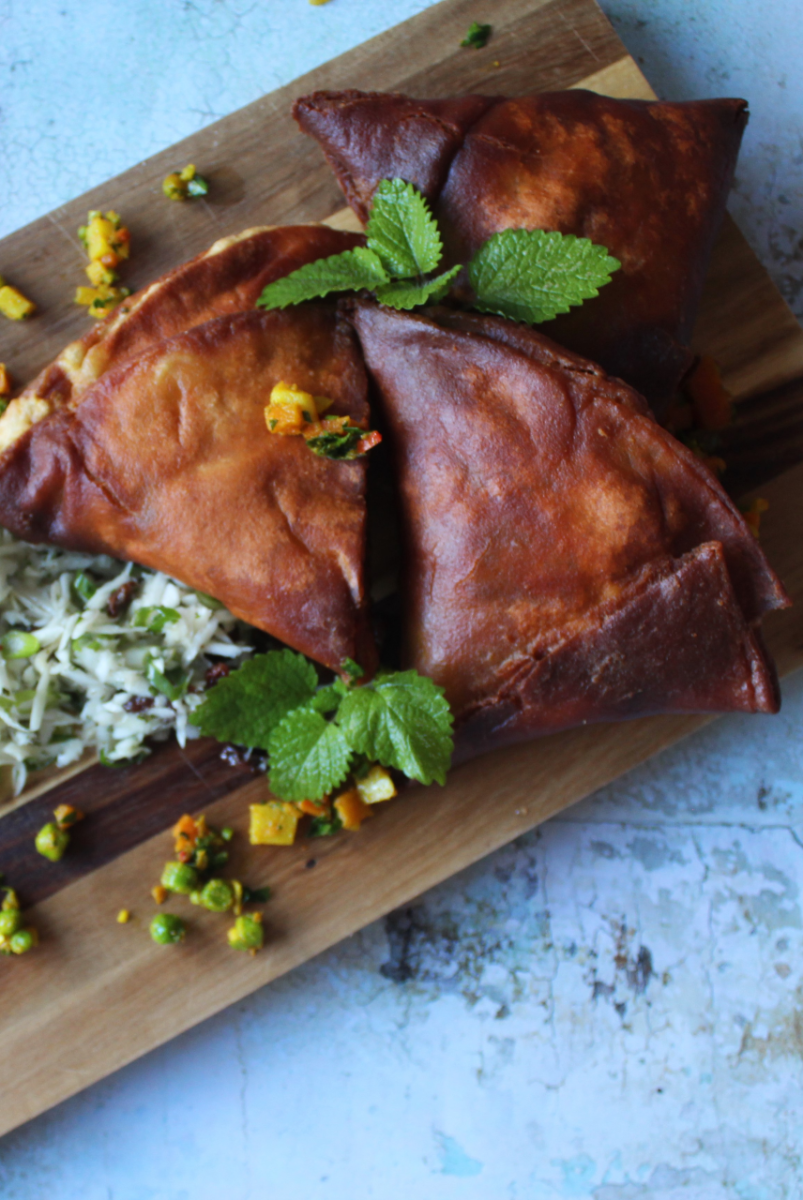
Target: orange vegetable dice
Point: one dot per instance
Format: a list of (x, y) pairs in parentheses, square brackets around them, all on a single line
[(352, 810)]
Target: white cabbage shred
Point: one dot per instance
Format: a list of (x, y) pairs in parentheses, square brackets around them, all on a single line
[(87, 672)]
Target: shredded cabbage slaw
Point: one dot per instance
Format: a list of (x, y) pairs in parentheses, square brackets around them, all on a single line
[(82, 674)]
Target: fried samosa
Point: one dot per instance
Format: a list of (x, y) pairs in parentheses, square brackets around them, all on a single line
[(567, 560), (646, 179), (227, 278), (167, 460)]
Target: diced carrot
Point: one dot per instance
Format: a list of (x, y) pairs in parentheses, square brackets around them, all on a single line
[(711, 401), (351, 809), (312, 809)]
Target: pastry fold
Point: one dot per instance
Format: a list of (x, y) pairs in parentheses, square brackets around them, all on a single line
[(167, 461), (227, 278), (646, 179), (567, 560)]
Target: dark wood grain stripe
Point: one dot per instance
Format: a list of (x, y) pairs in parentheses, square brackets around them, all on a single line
[(123, 807)]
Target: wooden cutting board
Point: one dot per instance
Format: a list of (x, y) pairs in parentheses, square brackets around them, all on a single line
[(96, 994)]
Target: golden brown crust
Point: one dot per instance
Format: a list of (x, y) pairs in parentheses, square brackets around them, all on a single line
[(539, 500), (167, 461), (227, 278), (648, 180)]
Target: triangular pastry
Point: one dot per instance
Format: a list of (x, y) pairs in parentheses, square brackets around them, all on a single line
[(648, 180), (167, 460), (567, 560), (227, 278)]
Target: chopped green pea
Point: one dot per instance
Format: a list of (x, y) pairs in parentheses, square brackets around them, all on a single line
[(197, 186), (23, 941), (217, 895), (247, 933), (51, 842), (167, 929), (180, 877), (18, 644), (227, 833), (10, 923)]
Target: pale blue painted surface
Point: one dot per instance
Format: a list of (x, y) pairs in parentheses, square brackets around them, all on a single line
[(613, 1007)]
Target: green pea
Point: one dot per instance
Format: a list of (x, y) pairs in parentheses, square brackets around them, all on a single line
[(18, 644), (227, 833), (167, 929), (23, 941), (247, 933), (180, 877), (51, 842), (217, 896), (10, 923)]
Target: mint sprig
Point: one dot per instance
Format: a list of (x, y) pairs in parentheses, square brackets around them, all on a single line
[(402, 231), (347, 272), (247, 704), (529, 275), (404, 248), (407, 294), (316, 735), (533, 275), (309, 756), (401, 720)]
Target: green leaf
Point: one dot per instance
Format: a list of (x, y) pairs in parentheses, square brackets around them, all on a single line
[(155, 618), (352, 669), (247, 704), (532, 275), (346, 272), (477, 36), (401, 720), (337, 445), (325, 826), (326, 699), (402, 231), (408, 295), (309, 756)]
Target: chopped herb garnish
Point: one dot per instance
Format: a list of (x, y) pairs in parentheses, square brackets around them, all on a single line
[(325, 826), (84, 586), (337, 445), (155, 618), (317, 735), (477, 36)]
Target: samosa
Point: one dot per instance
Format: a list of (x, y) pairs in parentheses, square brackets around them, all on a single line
[(646, 179), (167, 460), (227, 278), (567, 560)]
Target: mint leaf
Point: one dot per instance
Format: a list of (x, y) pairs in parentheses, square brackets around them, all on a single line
[(341, 445), (401, 720), (326, 699), (477, 36), (247, 704), (532, 275), (346, 272), (309, 756), (402, 231), (407, 294)]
